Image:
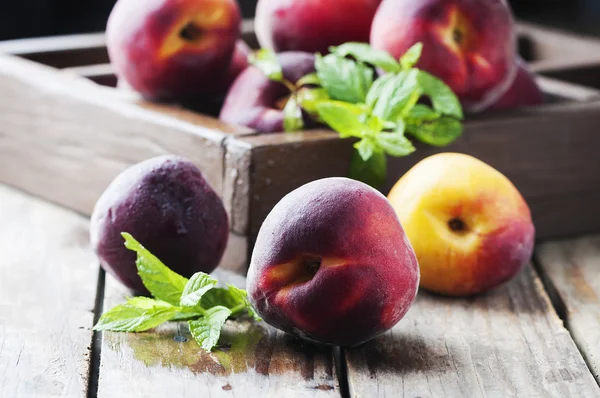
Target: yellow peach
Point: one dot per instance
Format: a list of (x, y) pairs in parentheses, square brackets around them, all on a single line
[(469, 226)]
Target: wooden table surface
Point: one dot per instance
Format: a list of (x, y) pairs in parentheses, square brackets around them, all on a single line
[(511, 342)]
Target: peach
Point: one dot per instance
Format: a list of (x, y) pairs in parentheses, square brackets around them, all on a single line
[(469, 44), (173, 49), (169, 207), (523, 92), (332, 264), (313, 25), (256, 101), (470, 227)]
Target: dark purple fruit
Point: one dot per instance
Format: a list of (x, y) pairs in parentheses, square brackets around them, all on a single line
[(167, 205)]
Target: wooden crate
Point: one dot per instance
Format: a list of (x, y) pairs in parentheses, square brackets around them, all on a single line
[(68, 131)]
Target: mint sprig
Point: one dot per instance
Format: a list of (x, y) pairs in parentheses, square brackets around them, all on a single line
[(197, 300), (380, 112)]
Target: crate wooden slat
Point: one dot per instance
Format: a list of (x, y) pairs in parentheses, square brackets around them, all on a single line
[(48, 279), (507, 343), (571, 269), (255, 361), (70, 138)]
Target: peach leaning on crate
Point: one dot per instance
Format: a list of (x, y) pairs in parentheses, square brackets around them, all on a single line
[(469, 226), (332, 264), (173, 49), (168, 205)]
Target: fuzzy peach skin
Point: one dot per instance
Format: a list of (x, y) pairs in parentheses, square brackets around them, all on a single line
[(173, 49), (255, 101), (523, 92), (470, 227), (332, 264), (469, 44), (313, 25)]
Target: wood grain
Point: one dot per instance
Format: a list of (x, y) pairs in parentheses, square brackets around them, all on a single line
[(48, 280), (60, 51), (68, 138), (571, 269), (509, 343), (548, 152), (254, 360)]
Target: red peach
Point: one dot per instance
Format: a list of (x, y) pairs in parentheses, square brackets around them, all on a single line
[(313, 25), (332, 264), (256, 101), (469, 44), (523, 92), (173, 49)]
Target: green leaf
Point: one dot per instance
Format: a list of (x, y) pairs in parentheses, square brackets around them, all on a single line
[(442, 97), (310, 79), (163, 283), (220, 296), (422, 113), (439, 132), (309, 98), (411, 56), (207, 330), (197, 286), (292, 115), (365, 53), (344, 79), (365, 148), (395, 144), (397, 95), (137, 315), (371, 172), (376, 89), (266, 60), (343, 117), (242, 295)]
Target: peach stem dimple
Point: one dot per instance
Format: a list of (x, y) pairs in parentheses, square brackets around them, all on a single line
[(190, 32), (457, 225)]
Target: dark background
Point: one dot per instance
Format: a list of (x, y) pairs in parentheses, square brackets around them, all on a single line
[(31, 18)]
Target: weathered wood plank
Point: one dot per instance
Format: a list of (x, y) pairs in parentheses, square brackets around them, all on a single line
[(48, 280), (572, 269), (69, 138), (254, 360), (505, 344), (60, 51), (102, 74)]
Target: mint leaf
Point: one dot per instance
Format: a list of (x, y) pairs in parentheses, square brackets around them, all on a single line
[(344, 79), (309, 98), (395, 144), (443, 99), (292, 115), (365, 53), (197, 286), (137, 315), (310, 79), (220, 296), (421, 113), (371, 172), (266, 60), (439, 132), (163, 283), (342, 117), (242, 296), (411, 56), (376, 89), (207, 330), (398, 95), (365, 148)]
